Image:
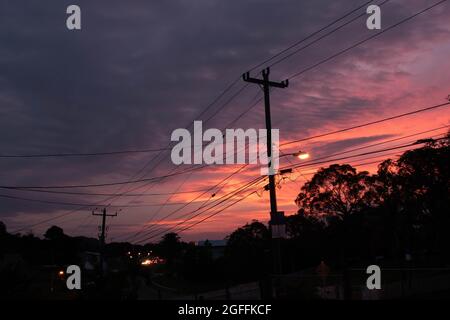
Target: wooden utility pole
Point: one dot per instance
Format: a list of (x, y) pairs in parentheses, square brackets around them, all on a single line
[(102, 236), (276, 217)]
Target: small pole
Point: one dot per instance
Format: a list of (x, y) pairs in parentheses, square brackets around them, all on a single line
[(102, 236)]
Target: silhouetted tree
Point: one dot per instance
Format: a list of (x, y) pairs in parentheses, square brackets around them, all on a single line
[(416, 197), (3, 231), (170, 248), (338, 190), (339, 194), (54, 233)]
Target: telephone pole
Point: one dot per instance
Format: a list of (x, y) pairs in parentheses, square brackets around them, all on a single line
[(102, 236), (276, 223)]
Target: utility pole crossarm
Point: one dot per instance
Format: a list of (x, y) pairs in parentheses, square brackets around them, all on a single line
[(101, 214), (283, 84)]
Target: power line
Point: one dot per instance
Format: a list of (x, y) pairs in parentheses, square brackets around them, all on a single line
[(113, 194), (192, 200), (104, 184), (48, 220), (202, 166), (332, 160), (325, 35), (187, 170), (364, 40), (379, 143), (377, 156), (82, 207), (98, 204), (209, 118), (152, 233), (58, 217), (367, 40), (236, 119), (215, 213), (213, 204), (226, 198), (228, 88), (367, 124), (309, 36), (321, 162), (166, 202), (222, 181), (357, 155), (57, 155), (85, 204), (210, 105)]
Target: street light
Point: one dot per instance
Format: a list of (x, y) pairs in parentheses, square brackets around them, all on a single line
[(299, 154), (277, 218)]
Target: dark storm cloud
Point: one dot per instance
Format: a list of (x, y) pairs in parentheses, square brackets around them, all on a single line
[(139, 69)]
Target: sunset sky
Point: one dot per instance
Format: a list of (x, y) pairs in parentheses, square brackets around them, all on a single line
[(140, 69)]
